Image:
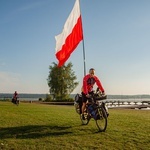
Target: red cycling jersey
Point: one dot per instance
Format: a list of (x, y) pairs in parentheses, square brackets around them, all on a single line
[(88, 83), (15, 96)]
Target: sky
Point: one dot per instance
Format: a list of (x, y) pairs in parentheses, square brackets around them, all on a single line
[(116, 41)]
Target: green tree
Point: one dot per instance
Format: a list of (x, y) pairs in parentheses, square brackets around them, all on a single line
[(61, 81)]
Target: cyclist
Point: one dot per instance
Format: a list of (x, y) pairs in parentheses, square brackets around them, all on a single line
[(15, 97), (88, 82)]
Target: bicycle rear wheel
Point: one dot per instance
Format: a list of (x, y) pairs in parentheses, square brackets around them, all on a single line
[(101, 120), (86, 119)]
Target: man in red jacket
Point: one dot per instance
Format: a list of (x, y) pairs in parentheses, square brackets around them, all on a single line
[(88, 82)]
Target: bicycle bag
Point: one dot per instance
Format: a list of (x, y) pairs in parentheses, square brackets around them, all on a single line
[(91, 110), (78, 98)]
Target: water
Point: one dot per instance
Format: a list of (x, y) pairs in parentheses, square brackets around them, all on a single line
[(128, 100), (28, 99), (107, 100)]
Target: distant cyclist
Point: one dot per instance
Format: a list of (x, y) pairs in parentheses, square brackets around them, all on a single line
[(15, 97), (89, 81)]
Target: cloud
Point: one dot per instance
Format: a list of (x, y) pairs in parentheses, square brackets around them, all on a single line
[(2, 64), (30, 6), (8, 17), (9, 82)]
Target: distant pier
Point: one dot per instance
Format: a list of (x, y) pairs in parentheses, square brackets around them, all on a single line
[(128, 104), (111, 104)]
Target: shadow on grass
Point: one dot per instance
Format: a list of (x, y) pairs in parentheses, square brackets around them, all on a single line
[(33, 131)]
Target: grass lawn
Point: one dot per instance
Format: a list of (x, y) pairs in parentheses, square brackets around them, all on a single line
[(52, 127)]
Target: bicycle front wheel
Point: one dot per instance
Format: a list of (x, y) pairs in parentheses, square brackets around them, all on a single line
[(101, 120), (17, 102), (86, 118)]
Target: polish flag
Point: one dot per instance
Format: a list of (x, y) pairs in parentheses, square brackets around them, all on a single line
[(72, 34)]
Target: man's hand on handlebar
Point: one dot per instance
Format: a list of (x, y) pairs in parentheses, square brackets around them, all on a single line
[(88, 95), (103, 93), (97, 89)]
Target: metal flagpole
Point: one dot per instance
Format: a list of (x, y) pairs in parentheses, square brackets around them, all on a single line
[(84, 58), (83, 48)]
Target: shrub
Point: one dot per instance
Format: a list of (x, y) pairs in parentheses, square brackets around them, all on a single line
[(48, 98), (40, 99)]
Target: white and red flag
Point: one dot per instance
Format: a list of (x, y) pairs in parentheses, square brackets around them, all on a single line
[(72, 34)]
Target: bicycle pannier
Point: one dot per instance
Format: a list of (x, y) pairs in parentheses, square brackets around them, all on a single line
[(78, 98)]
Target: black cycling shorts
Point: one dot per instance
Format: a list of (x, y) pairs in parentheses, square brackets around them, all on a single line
[(84, 98)]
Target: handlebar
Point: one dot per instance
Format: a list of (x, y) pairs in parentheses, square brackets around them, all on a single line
[(99, 96)]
